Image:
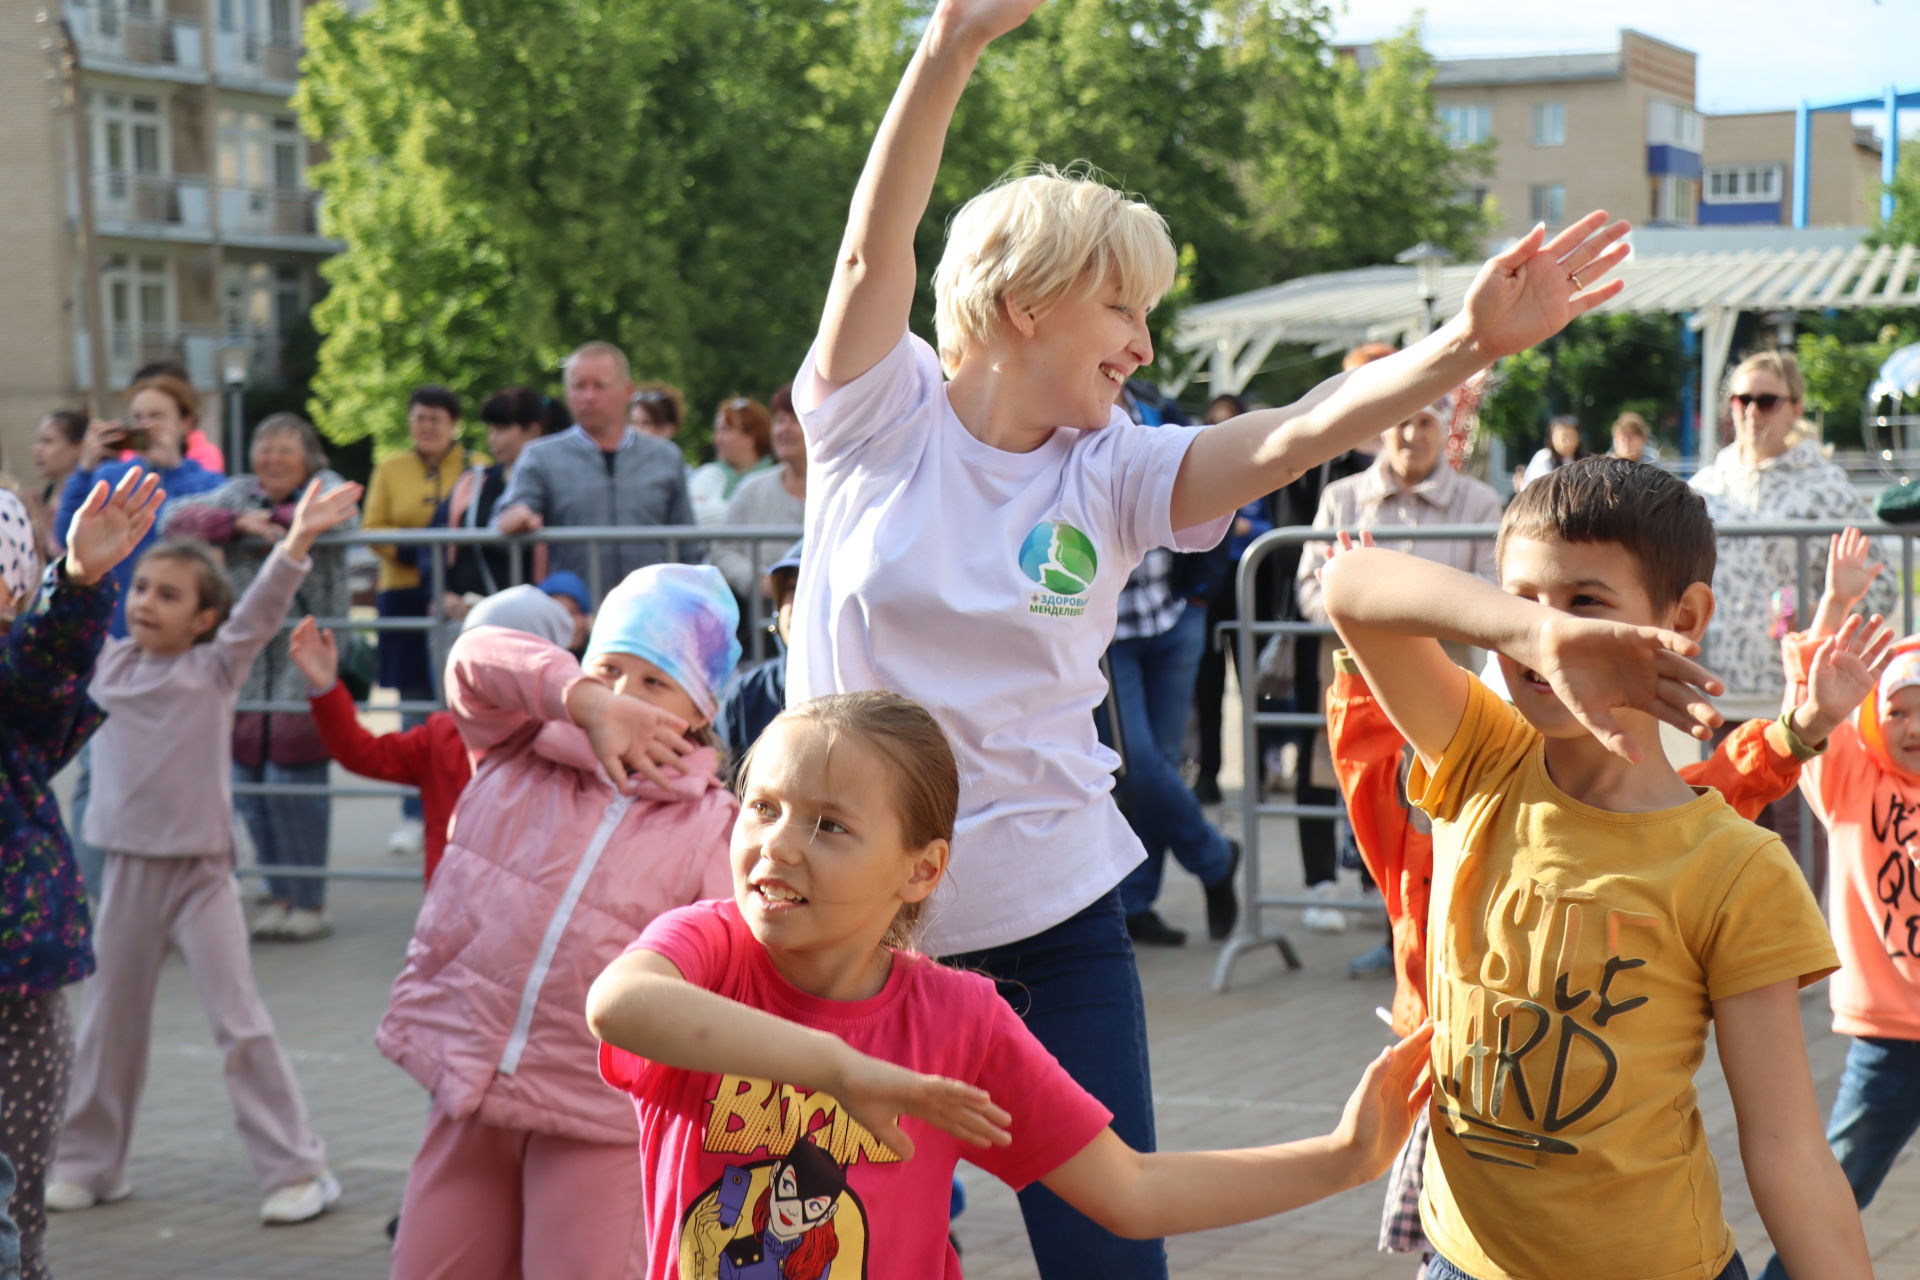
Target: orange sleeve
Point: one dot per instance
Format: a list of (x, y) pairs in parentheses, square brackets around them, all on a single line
[(1751, 767), (1395, 842)]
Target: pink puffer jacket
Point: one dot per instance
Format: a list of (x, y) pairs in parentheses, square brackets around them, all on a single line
[(549, 873)]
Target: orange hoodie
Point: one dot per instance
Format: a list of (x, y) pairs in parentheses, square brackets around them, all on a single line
[(1753, 767)]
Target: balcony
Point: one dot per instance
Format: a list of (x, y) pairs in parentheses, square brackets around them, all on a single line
[(272, 218), (258, 58), (151, 206), (166, 47), (129, 348)]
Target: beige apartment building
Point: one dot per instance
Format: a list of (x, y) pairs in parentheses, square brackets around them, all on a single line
[(156, 204), (1619, 130)]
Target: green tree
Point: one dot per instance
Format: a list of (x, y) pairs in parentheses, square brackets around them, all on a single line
[(1904, 226)]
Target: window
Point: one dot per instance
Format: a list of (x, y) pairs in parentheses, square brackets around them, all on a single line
[(1673, 198), (1671, 125), (1465, 126), (1549, 124), (1548, 203), (1744, 183)]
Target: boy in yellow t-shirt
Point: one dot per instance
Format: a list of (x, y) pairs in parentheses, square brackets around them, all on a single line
[(1591, 912)]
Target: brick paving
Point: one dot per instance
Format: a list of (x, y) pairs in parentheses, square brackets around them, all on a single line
[(1271, 1060)]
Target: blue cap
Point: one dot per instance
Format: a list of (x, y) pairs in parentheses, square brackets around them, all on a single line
[(681, 618), (562, 583), (791, 560)]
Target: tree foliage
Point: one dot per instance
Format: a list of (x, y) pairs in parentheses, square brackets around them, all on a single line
[(513, 177)]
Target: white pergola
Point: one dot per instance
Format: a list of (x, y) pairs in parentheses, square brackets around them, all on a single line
[(1710, 275)]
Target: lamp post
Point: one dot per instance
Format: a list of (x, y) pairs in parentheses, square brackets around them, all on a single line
[(1426, 259), (234, 375)]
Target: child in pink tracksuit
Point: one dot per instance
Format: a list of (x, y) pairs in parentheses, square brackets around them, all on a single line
[(163, 809), (558, 855)]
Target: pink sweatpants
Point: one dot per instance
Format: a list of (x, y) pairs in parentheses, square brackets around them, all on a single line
[(193, 904), (486, 1203)]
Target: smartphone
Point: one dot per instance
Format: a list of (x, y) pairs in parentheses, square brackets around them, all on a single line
[(135, 438)]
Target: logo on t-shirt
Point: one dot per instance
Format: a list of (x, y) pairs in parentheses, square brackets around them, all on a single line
[(1062, 560), (790, 1217)]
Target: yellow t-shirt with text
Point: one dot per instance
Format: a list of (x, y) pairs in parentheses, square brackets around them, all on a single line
[(1574, 956)]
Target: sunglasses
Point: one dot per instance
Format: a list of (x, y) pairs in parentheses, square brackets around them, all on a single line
[(1765, 401)]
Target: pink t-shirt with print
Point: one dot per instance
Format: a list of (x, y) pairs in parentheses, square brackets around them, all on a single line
[(748, 1180)]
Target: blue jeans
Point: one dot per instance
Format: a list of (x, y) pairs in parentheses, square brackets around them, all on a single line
[(289, 831), (1441, 1269), (1076, 988), (1153, 687), (1874, 1115)]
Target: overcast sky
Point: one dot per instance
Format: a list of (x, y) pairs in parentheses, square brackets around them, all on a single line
[(1754, 55)]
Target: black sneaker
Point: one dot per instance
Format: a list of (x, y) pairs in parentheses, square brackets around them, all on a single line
[(1149, 930), (1223, 901)]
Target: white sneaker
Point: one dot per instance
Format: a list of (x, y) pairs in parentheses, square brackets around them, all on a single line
[(302, 1201), (69, 1197), (409, 840), (271, 923), (1324, 919), (303, 925)]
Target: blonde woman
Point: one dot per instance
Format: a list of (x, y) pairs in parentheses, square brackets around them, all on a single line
[(976, 512)]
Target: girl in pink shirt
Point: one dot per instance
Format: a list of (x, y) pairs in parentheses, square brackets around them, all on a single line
[(1865, 788), (805, 1080)]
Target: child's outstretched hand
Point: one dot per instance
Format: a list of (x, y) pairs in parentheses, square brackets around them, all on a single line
[(314, 653), (985, 20), (108, 526), (627, 735), (1843, 672), (1342, 545), (1380, 1113), (1597, 667), (1851, 568), (878, 1094), (318, 512), (1531, 292)]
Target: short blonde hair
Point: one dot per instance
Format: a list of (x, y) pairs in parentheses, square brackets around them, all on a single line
[(1044, 237)]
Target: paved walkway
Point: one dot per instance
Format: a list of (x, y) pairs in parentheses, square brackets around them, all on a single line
[(1272, 1060)]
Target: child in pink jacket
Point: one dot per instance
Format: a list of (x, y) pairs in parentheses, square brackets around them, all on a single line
[(595, 806)]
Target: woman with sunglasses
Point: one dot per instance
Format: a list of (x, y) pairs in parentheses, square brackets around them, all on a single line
[(1773, 470), (657, 410)]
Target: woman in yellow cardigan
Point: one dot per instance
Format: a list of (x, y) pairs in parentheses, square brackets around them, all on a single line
[(405, 491)]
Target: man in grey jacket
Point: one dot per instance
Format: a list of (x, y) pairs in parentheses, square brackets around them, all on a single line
[(600, 472)]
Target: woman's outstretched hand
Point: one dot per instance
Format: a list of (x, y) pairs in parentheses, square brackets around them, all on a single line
[(1531, 292)]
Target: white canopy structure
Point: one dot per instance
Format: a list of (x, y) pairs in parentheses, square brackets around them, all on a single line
[(1709, 275)]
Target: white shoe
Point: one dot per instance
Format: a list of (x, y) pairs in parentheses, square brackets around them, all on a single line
[(271, 923), (69, 1197), (302, 1201), (409, 840), (303, 925), (1324, 919)]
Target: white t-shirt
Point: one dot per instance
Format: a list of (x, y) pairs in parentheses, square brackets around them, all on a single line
[(984, 584)]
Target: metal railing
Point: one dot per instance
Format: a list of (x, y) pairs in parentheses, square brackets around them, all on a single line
[(1253, 930), (759, 541)]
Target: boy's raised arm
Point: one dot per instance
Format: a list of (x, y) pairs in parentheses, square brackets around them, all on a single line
[(1390, 608), (873, 281)]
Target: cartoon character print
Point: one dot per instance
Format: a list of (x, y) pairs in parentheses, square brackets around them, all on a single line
[(791, 1232)]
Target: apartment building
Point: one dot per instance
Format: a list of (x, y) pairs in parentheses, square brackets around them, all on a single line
[(1620, 130), (1746, 176), (157, 204)]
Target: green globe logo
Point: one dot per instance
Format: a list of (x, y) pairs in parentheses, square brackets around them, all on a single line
[(1059, 557)]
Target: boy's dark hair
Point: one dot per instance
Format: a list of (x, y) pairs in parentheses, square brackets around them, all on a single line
[(1652, 513), (436, 397), (210, 579), (514, 407)]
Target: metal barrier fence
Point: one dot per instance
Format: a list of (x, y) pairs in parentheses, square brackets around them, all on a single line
[(434, 568), (1809, 539)]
